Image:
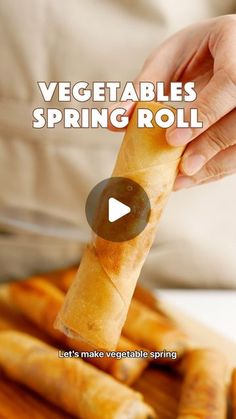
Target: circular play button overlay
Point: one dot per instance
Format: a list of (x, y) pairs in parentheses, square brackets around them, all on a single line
[(117, 209)]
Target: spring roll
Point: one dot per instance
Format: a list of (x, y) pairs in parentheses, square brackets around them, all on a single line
[(161, 389), (204, 387), (12, 319), (145, 297), (26, 404), (151, 330), (233, 394), (62, 278), (109, 271), (40, 301), (71, 384)]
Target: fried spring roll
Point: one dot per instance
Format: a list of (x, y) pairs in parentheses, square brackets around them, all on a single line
[(71, 384), (204, 387), (26, 404), (151, 330), (109, 270), (145, 296), (12, 319), (40, 302), (63, 278), (161, 390), (233, 394), (141, 294)]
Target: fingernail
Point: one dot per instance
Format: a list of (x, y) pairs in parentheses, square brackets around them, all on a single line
[(193, 163), (179, 136), (125, 105), (183, 182)]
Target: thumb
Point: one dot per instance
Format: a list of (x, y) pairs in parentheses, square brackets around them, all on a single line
[(129, 108), (223, 164), (152, 71)]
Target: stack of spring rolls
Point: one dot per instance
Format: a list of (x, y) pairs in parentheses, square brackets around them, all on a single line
[(73, 384), (101, 390)]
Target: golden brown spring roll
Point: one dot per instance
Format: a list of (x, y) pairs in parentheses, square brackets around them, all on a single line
[(12, 319), (71, 384), (40, 302), (109, 270), (151, 330), (204, 387), (145, 296), (62, 278), (233, 394), (18, 402), (161, 389)]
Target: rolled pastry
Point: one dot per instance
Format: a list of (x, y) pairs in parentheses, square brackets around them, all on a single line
[(146, 324), (12, 319), (26, 404), (71, 384), (97, 303), (204, 387), (62, 278), (39, 301), (153, 331), (145, 296)]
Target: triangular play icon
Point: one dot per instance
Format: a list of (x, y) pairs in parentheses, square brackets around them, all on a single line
[(117, 209)]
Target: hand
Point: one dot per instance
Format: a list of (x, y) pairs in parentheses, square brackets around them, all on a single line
[(205, 53)]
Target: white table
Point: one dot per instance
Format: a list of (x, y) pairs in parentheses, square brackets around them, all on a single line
[(214, 308)]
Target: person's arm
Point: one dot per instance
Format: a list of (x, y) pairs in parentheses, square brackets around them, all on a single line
[(206, 54)]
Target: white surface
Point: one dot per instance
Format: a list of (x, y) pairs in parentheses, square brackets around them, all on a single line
[(117, 209), (216, 309)]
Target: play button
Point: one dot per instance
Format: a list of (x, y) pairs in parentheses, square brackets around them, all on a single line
[(117, 209)]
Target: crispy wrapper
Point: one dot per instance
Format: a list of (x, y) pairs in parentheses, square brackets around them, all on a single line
[(109, 271), (40, 302), (145, 296), (26, 404), (12, 319), (73, 385), (146, 325), (204, 387), (161, 389), (153, 331), (62, 278)]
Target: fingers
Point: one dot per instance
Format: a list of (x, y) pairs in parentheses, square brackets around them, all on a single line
[(216, 100), (152, 71), (218, 97), (217, 138), (223, 164), (129, 108)]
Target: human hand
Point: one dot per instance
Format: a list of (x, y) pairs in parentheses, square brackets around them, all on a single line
[(206, 54)]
